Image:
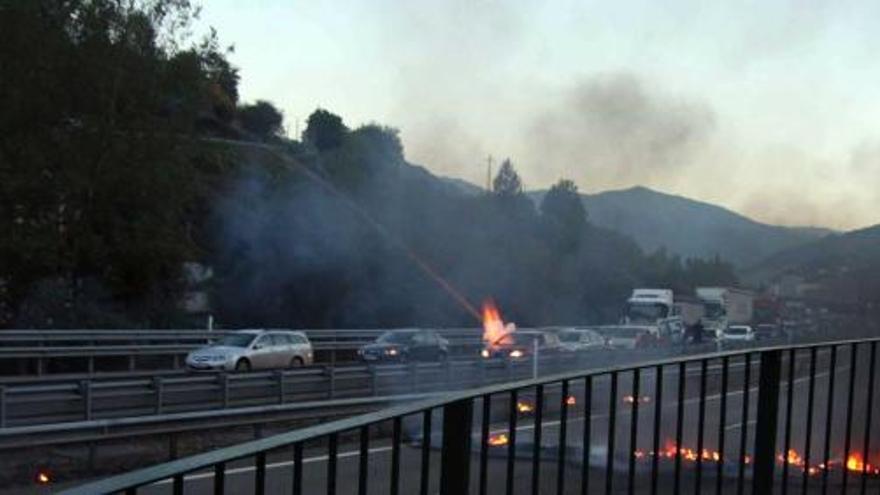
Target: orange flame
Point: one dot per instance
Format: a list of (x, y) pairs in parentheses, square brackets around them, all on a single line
[(43, 477), (570, 400), (498, 439), (493, 325), (524, 407)]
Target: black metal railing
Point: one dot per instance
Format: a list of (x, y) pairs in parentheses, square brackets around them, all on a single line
[(787, 419)]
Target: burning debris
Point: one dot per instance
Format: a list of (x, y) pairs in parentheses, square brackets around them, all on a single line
[(525, 407), (493, 326), (570, 400), (854, 462), (498, 440)]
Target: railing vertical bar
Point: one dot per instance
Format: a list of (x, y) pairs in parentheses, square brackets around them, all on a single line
[(177, 484), (587, 438), (634, 430), (563, 440), (484, 444), (679, 425), (766, 426), (260, 474), (511, 440), (536, 442), (220, 478), (332, 450), (395, 455), (363, 459), (870, 404), (701, 422), (612, 427), (847, 443), (829, 417), (744, 426), (426, 452), (808, 437), (789, 397), (658, 416), (456, 454), (722, 423), (296, 487)]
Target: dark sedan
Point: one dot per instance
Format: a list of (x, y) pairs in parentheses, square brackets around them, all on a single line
[(522, 343), (406, 345)]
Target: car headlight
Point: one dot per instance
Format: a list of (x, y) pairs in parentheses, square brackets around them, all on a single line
[(484, 353), (391, 352), (516, 353)]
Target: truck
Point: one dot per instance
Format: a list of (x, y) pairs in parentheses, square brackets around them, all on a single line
[(726, 306), (663, 311), (651, 306)]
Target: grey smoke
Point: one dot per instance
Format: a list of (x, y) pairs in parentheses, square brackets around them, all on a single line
[(619, 128)]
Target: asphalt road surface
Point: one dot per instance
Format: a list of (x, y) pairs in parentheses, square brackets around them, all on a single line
[(279, 470)]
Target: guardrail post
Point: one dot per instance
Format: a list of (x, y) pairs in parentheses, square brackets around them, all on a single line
[(158, 386), (455, 454), (224, 388), (374, 379), (765, 429), (331, 373), (279, 377), (85, 390), (2, 406), (414, 372)]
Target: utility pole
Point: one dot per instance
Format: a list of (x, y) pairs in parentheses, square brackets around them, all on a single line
[(489, 174)]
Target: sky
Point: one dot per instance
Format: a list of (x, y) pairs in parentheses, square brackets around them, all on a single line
[(769, 108)]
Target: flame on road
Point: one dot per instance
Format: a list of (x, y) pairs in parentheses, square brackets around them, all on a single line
[(570, 400), (524, 407), (498, 439)]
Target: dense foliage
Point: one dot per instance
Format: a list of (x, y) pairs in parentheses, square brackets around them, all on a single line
[(125, 153)]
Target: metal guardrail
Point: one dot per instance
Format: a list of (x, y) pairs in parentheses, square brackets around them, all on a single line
[(40, 346), (466, 439), (91, 399)]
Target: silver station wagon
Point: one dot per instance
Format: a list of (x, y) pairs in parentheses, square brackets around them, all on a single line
[(247, 350)]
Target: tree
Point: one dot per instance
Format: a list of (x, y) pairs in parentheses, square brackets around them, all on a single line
[(563, 215), (97, 173), (324, 130), (507, 182), (562, 204), (261, 119)]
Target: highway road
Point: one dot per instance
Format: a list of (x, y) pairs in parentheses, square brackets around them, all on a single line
[(239, 477)]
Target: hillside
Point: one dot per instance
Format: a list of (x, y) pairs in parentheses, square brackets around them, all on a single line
[(853, 252), (690, 228)]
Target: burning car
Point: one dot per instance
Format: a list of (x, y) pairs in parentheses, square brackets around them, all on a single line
[(522, 344), (406, 345)]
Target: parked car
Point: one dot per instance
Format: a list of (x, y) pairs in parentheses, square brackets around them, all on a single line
[(247, 350), (406, 345), (581, 339), (521, 344), (738, 333)]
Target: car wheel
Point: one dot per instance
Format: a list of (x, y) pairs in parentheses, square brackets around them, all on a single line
[(243, 365), (296, 362)]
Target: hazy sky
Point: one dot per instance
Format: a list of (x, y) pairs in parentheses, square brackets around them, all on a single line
[(769, 108)]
